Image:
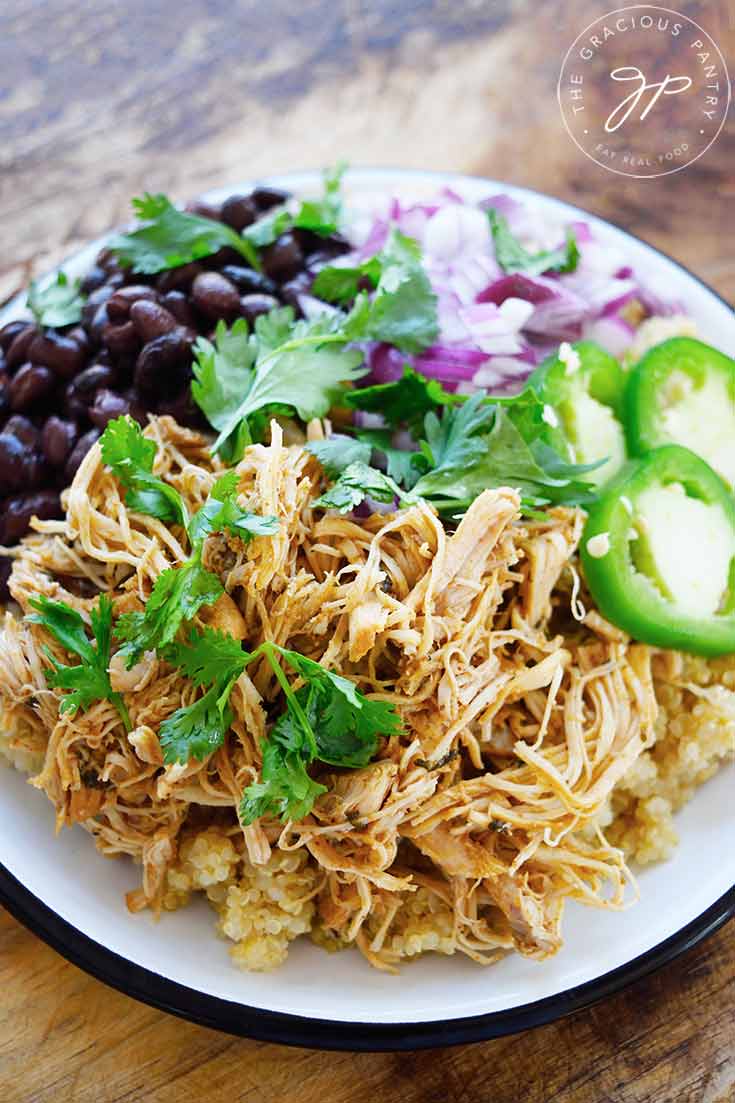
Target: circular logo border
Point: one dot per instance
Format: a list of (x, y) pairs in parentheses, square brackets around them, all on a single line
[(641, 175)]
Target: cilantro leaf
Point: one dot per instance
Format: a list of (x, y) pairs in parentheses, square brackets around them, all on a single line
[(197, 730), (405, 401), (285, 788), (513, 257), (90, 681), (339, 283), (297, 365), (403, 311), (56, 304), (326, 719), (208, 656), (168, 238), (177, 595), (338, 452), (357, 482), (467, 460), (222, 513), (450, 442), (403, 465), (130, 456), (320, 216), (223, 373)]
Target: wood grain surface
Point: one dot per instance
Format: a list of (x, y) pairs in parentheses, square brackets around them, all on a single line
[(100, 100)]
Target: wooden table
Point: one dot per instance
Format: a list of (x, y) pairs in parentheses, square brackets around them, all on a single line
[(101, 101)]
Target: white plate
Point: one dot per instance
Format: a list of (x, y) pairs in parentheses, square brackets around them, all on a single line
[(64, 890)]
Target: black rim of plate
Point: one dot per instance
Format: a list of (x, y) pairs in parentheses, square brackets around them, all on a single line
[(329, 1034)]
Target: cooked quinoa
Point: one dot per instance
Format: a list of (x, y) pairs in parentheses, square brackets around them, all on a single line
[(262, 909)]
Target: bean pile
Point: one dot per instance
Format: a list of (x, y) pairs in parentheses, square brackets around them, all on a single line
[(131, 353)]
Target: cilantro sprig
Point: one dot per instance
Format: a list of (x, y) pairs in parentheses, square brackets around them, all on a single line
[(513, 257), (212, 659), (406, 401), (131, 456), (403, 311), (56, 304), (179, 592), (321, 216), (168, 238), (282, 363), (476, 444), (328, 720), (90, 680)]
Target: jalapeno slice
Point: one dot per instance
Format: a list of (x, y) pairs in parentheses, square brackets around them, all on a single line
[(658, 552), (683, 392), (583, 386)]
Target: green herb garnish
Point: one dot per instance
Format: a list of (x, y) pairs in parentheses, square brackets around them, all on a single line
[(281, 363), (169, 238), (326, 719), (131, 456), (90, 681), (56, 304), (513, 257), (403, 402), (179, 592), (357, 482), (194, 731), (403, 311), (320, 216)]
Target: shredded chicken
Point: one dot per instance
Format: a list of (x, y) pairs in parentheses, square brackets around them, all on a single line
[(514, 734)]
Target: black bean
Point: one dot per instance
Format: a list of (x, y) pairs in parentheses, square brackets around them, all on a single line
[(30, 384), (239, 211), (283, 259), (292, 291), (248, 281), (10, 331), (24, 429), (151, 320), (136, 409), (107, 406), (58, 437), (95, 328), (118, 306), (6, 566), (182, 408), (17, 352), (178, 279), (4, 396), (15, 517), (162, 365), (79, 451), (12, 463), (252, 306), (324, 255), (204, 209), (96, 299), (93, 279), (79, 335), (316, 245), (107, 260), (265, 197), (227, 254), (64, 356), (79, 394), (215, 296), (177, 304), (121, 339)]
